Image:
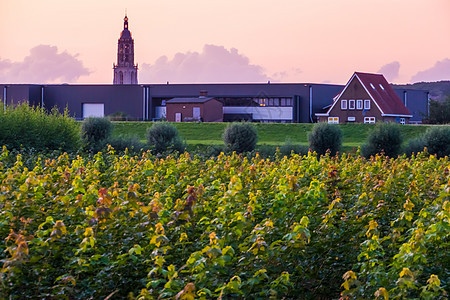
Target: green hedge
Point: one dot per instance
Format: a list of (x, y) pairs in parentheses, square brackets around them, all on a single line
[(24, 126)]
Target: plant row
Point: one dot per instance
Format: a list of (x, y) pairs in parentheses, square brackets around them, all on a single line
[(186, 228)]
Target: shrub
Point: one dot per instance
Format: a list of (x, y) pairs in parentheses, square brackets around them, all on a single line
[(414, 146), (163, 136), (95, 132), (240, 137), (120, 143), (437, 140), (118, 116), (24, 126), (325, 137), (386, 138)]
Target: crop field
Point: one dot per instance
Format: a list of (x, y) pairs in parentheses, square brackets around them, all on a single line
[(181, 227)]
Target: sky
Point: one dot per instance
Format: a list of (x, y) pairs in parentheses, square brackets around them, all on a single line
[(314, 41)]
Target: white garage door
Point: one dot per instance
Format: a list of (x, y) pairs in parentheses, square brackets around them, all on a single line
[(93, 110)]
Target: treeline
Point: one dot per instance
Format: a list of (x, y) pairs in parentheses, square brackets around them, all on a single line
[(438, 90)]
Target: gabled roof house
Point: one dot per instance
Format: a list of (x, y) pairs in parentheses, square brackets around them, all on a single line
[(366, 98)]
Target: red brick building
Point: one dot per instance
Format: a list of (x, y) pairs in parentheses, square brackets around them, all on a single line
[(366, 98), (201, 109)]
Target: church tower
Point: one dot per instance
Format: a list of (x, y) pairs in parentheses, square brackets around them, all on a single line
[(125, 72)]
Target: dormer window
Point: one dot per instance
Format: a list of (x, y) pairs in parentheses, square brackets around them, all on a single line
[(381, 87), (372, 86), (343, 104)]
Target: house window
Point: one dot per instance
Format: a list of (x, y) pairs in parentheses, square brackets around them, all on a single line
[(359, 104), (333, 120), (402, 121), (351, 119), (382, 87), (343, 104), (372, 86), (351, 104), (369, 120), (366, 104)]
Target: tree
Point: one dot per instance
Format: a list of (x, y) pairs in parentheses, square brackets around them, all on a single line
[(439, 111)]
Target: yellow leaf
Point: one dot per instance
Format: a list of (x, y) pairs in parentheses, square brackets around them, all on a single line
[(382, 292), (88, 232), (408, 205), (434, 280), (407, 272), (349, 275), (183, 237)]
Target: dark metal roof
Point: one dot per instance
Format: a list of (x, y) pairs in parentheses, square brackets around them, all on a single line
[(383, 94), (190, 100)]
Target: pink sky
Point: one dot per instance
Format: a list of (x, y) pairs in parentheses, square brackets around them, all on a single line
[(54, 41)]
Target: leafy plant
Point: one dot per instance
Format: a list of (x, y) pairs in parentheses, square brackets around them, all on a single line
[(163, 136), (95, 132), (414, 146), (437, 140), (118, 116), (385, 138), (24, 126), (240, 137), (325, 137), (288, 148), (120, 143), (230, 226)]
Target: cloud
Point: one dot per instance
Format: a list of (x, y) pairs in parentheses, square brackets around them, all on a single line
[(390, 70), (290, 75), (440, 71), (213, 64), (43, 65)]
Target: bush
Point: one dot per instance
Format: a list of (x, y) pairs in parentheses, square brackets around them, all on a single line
[(325, 137), (118, 116), (385, 138), (414, 146), (163, 136), (437, 140), (240, 137), (24, 126), (132, 143), (95, 132)]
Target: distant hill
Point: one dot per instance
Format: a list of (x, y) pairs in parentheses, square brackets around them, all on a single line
[(438, 90)]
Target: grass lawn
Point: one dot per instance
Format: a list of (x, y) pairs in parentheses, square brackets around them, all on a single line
[(273, 134)]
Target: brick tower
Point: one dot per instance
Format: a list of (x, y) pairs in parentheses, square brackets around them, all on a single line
[(125, 71)]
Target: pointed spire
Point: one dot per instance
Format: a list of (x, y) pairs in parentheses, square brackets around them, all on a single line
[(125, 20)]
